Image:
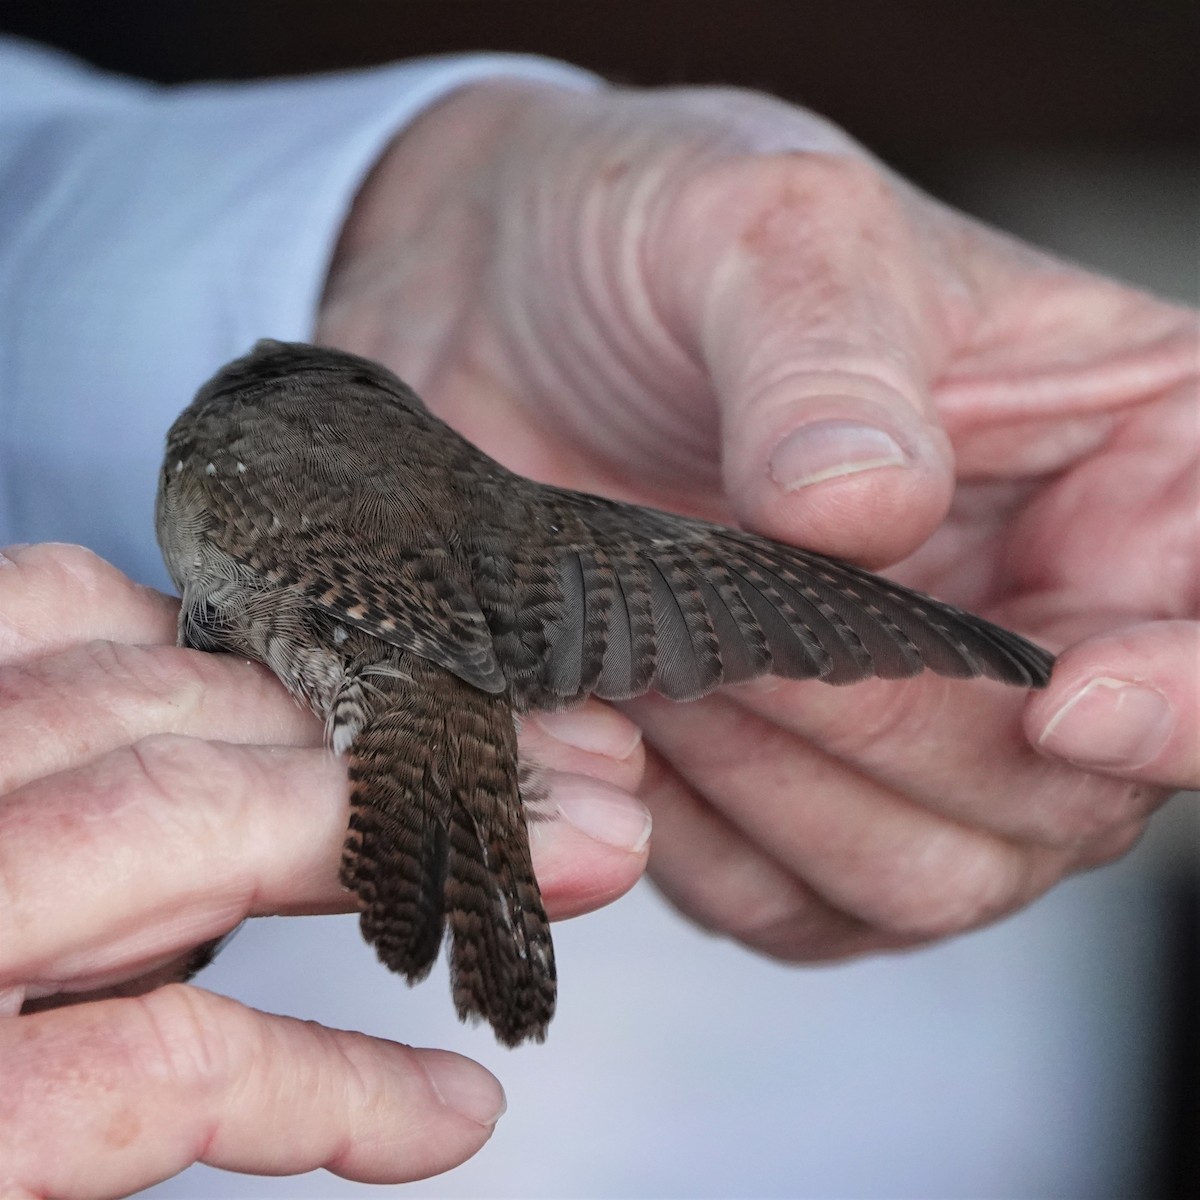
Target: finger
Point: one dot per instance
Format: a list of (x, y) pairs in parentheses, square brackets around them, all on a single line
[(593, 740), (109, 869), (590, 762), (176, 968), (867, 851), (147, 1087), (54, 595), (1038, 312), (67, 708), (712, 872), (952, 748), (1126, 704), (814, 309)]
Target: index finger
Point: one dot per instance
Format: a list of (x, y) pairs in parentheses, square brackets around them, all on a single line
[(53, 596)]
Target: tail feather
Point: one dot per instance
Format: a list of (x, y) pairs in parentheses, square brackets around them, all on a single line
[(396, 851), (438, 839), (501, 956)]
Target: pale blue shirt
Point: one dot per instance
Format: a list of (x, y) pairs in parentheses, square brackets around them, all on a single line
[(149, 234)]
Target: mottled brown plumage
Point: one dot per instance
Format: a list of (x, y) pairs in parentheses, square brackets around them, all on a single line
[(418, 596)]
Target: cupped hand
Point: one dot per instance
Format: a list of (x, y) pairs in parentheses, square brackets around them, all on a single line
[(713, 302), (150, 799)]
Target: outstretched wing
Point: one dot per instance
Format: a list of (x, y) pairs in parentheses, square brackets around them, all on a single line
[(626, 600)]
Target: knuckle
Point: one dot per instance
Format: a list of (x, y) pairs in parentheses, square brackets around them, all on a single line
[(186, 1038), (48, 588), (744, 896), (1112, 845), (72, 566), (886, 714), (766, 918), (162, 799), (796, 925), (953, 885), (119, 1075), (182, 791), (847, 185), (803, 194), (54, 595), (1085, 809), (172, 766), (201, 793), (109, 679), (168, 679)]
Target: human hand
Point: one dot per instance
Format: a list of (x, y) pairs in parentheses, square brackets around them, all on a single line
[(150, 799), (716, 303)]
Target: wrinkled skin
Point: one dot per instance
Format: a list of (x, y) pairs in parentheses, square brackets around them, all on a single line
[(688, 278), (641, 295)]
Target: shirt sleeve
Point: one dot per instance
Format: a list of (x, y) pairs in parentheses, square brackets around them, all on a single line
[(147, 235)]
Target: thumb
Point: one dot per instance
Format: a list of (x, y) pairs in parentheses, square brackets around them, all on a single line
[(818, 324)]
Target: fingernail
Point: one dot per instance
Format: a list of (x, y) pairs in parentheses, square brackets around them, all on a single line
[(1110, 723), (11, 999), (829, 449), (605, 814), (598, 731), (464, 1086)]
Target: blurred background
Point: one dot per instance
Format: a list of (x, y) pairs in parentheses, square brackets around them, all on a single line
[(1054, 1055)]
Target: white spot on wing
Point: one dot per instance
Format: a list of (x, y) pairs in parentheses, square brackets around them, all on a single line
[(179, 466), (340, 634), (210, 469), (241, 468)]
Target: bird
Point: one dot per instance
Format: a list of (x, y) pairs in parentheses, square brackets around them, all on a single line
[(420, 598)]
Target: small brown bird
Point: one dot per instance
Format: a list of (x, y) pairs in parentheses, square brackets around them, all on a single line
[(419, 597)]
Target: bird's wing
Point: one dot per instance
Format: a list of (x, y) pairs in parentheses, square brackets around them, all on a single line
[(310, 521), (617, 600)]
